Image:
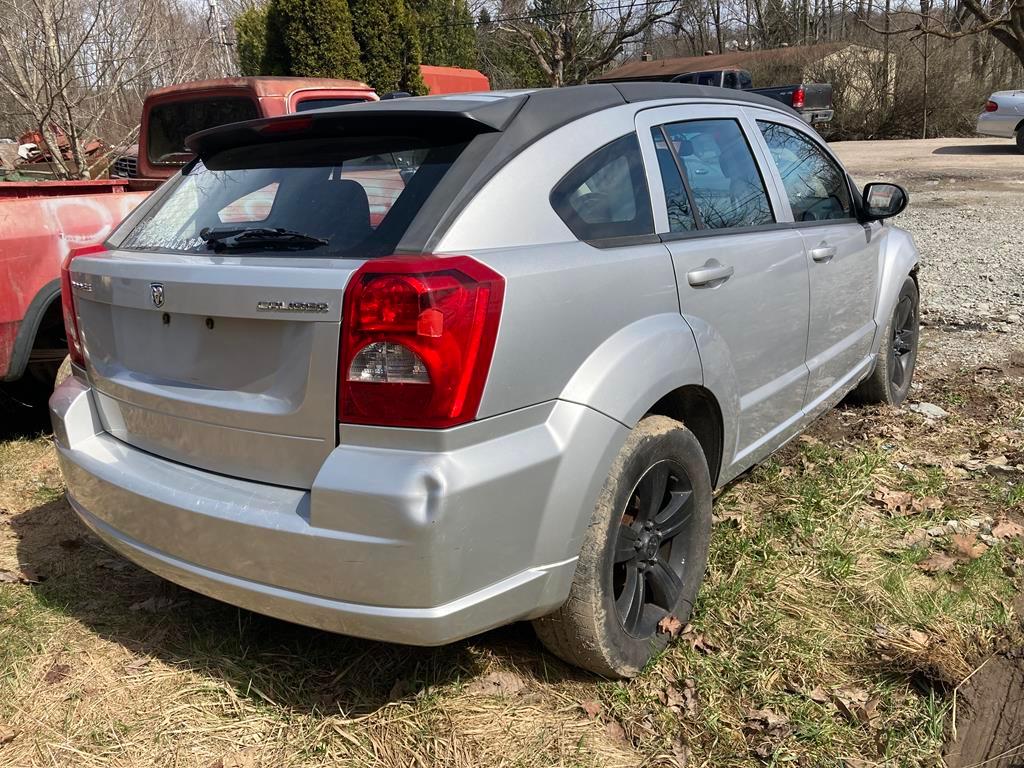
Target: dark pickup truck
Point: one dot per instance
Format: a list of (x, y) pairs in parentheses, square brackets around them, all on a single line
[(812, 100)]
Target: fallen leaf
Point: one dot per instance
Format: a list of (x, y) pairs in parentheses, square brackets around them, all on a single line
[(1007, 529), (57, 673), (497, 683), (896, 503), (819, 695), (591, 707), (926, 504), (615, 731), (763, 729), (670, 626), (25, 576), (967, 546), (680, 753), (697, 640), (7, 735), (155, 604), (915, 538), (937, 562), (136, 666), (733, 516)]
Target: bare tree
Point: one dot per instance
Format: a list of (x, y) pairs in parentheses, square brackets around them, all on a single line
[(68, 65), (573, 39)]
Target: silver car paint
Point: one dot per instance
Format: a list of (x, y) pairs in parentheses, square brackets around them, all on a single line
[(425, 536), (1005, 121)]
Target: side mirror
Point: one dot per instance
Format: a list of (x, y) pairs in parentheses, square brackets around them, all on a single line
[(883, 201)]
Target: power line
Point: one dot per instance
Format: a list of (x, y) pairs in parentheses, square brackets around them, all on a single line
[(554, 15)]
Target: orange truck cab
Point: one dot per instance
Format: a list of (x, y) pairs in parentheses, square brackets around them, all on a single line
[(171, 114)]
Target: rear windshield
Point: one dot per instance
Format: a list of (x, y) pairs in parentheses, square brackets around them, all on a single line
[(356, 196), (170, 124)]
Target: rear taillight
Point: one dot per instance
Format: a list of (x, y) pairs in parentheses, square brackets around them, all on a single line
[(799, 98), (417, 334), (991, 106), (67, 303)]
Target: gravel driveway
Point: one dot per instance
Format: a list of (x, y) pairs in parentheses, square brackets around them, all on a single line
[(967, 217)]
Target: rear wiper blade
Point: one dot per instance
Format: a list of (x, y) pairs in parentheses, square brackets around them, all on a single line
[(258, 237)]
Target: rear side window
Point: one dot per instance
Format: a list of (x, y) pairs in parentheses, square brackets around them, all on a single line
[(677, 201), (815, 185), (170, 124), (727, 187), (606, 194), (344, 197)]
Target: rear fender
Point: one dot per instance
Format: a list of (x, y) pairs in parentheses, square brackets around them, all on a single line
[(648, 359), (636, 367)]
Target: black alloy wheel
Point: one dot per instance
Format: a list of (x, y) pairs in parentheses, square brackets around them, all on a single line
[(650, 560), (904, 342)]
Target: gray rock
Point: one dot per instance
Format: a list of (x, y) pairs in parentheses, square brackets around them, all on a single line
[(930, 411)]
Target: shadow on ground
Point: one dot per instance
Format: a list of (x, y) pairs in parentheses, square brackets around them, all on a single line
[(23, 411), (291, 666), (979, 149)]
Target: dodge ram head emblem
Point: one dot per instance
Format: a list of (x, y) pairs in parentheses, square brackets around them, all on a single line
[(157, 292)]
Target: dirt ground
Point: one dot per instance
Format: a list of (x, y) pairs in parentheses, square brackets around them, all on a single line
[(862, 606)]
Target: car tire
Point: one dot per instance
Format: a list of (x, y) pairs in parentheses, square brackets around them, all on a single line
[(610, 623), (889, 383), (1020, 139)]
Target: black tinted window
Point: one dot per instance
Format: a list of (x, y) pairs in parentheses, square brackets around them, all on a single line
[(815, 185), (745, 82), (170, 124), (606, 194), (680, 217), (726, 184), (308, 104), (358, 195)]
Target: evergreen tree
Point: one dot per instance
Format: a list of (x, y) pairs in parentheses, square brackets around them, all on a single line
[(317, 37), (389, 45), (251, 40), (447, 32)]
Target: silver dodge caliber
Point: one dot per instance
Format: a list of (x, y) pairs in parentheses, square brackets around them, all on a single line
[(414, 369)]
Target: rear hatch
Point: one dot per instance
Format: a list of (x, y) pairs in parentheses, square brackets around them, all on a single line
[(211, 326)]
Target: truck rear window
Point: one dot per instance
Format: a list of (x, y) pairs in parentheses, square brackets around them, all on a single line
[(351, 197), (170, 124)]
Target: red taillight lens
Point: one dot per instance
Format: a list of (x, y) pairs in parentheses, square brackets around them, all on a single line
[(991, 106), (417, 333), (799, 98), (67, 303)]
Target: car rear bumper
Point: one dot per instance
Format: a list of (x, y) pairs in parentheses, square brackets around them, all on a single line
[(465, 531), (998, 124)]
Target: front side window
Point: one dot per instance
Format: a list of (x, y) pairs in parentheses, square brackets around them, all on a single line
[(815, 185), (327, 197), (727, 187), (606, 194)]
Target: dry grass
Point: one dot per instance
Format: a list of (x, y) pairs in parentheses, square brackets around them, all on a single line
[(814, 610)]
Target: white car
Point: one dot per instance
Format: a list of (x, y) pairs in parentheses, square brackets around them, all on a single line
[(1004, 117)]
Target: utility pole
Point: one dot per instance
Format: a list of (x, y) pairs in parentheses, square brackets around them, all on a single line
[(221, 38)]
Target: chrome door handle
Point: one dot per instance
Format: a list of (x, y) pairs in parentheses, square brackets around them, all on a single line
[(711, 272), (823, 253)]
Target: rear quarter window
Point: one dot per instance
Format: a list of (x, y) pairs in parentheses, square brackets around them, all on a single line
[(605, 195), (170, 124)]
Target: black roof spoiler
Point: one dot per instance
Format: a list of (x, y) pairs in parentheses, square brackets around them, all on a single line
[(453, 117)]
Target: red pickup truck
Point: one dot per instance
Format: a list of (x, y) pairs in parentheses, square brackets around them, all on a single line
[(40, 222)]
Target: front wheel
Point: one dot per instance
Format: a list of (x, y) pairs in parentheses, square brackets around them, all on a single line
[(1020, 139), (643, 556), (890, 382)]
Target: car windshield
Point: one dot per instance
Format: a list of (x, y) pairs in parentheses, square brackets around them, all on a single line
[(321, 197)]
